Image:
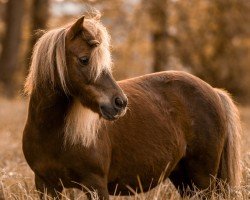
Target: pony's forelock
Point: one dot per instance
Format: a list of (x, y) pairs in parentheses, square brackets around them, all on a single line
[(100, 58), (49, 56)]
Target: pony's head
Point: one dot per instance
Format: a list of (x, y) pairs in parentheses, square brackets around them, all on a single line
[(89, 69), (76, 60)]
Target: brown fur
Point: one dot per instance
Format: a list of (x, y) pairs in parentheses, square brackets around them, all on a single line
[(175, 123)]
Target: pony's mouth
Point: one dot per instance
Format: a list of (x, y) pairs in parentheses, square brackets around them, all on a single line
[(111, 114)]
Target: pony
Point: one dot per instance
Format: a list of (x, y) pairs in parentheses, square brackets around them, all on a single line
[(85, 129)]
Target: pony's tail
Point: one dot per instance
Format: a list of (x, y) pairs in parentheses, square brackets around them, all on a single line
[(230, 166)]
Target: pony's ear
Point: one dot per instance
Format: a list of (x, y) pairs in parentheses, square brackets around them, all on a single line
[(76, 28)]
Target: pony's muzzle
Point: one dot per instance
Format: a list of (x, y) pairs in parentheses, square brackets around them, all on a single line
[(114, 110)]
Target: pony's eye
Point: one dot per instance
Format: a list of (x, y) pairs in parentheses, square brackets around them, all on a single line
[(84, 60)]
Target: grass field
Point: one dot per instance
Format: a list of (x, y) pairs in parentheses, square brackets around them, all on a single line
[(16, 178)]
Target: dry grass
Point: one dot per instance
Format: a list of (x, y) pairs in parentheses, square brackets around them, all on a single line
[(16, 179)]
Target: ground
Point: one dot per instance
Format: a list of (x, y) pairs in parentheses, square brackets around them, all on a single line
[(16, 178)]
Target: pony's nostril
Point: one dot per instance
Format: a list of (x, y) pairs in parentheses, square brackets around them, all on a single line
[(118, 102)]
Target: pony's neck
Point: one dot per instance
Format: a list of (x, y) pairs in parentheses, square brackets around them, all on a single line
[(53, 112), (48, 108)]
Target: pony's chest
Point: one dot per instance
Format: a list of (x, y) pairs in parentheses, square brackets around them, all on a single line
[(72, 164), (56, 172)]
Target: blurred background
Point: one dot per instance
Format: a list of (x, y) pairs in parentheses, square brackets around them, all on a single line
[(208, 38)]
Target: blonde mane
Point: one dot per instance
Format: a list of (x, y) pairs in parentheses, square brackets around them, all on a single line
[(49, 56), (81, 126)]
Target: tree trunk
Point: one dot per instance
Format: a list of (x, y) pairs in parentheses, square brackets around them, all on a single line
[(158, 14), (38, 21), (11, 43)]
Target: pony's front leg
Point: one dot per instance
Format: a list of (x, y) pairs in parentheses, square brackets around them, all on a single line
[(46, 190), (96, 186), (100, 192)]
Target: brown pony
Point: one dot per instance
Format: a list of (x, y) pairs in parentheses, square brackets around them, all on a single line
[(175, 123)]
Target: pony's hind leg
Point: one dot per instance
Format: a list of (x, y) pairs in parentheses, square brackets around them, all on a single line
[(191, 176), (45, 190)]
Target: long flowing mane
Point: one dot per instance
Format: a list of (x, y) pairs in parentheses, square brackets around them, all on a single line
[(49, 56)]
